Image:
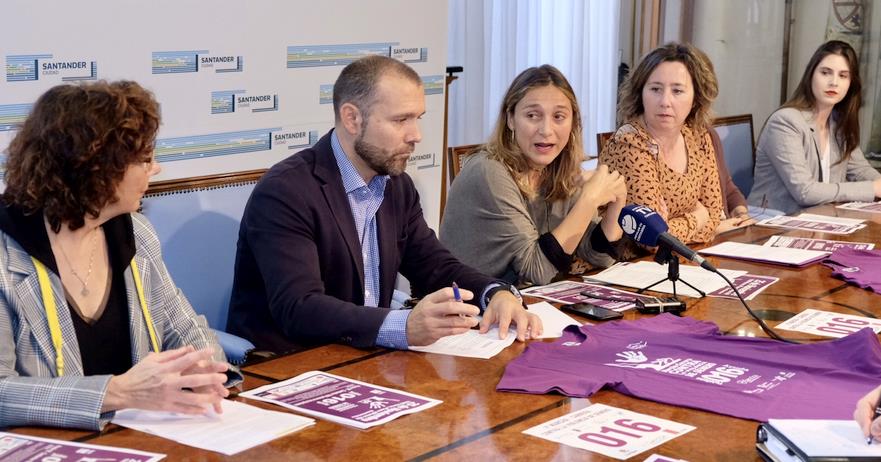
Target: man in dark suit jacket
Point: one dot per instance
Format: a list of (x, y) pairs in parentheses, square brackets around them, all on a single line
[(326, 231)]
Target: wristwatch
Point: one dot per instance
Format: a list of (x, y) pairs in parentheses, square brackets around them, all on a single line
[(501, 286)]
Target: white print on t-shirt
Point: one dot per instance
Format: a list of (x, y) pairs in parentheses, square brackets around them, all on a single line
[(704, 371), (851, 269), (637, 345)]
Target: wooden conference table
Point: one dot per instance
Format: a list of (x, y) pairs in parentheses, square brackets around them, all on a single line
[(475, 421)]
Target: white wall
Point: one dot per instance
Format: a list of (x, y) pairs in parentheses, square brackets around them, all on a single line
[(808, 32), (121, 39), (744, 39)]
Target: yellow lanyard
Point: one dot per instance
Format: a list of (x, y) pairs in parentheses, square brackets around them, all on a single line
[(52, 311)]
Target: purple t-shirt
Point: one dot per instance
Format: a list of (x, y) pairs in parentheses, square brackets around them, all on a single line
[(858, 267), (686, 362)]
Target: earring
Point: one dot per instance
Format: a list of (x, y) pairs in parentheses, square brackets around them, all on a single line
[(513, 141)]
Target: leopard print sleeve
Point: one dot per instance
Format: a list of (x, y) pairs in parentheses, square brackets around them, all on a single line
[(632, 152), (711, 190), (627, 152)]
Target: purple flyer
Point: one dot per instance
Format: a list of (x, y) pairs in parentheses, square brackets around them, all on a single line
[(874, 207), (809, 222), (341, 400), (571, 292), (749, 286), (823, 245), (15, 447)]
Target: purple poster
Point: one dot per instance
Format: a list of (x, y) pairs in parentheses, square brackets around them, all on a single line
[(823, 245), (576, 292), (341, 400), (15, 447), (749, 285)]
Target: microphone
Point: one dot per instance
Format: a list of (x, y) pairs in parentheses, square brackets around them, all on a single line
[(645, 226)]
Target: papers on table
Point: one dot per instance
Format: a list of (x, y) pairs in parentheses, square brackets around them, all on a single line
[(240, 427), (644, 273), (570, 292), (610, 431), (552, 320), (764, 254), (873, 207), (471, 344), (660, 458), (641, 274), (818, 223), (829, 324), (15, 447), (762, 213), (815, 440), (341, 400), (749, 286), (822, 245)]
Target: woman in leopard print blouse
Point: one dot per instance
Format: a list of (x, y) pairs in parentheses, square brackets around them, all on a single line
[(663, 149)]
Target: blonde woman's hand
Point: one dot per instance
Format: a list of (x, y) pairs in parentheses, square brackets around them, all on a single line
[(603, 186)]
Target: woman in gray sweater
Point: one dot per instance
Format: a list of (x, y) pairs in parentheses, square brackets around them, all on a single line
[(522, 208), (808, 152)]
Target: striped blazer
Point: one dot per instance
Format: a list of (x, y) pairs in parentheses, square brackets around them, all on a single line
[(31, 393)]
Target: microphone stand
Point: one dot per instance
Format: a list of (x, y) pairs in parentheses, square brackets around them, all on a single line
[(665, 256)]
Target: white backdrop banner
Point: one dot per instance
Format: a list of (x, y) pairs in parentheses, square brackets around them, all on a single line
[(242, 84)]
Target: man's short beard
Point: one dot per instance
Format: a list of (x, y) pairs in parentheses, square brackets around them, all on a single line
[(378, 159)]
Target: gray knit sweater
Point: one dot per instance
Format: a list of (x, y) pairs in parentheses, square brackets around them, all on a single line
[(488, 224)]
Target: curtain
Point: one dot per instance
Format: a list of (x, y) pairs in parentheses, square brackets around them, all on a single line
[(494, 40)]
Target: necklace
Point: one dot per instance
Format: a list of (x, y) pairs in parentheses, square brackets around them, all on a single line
[(84, 281)]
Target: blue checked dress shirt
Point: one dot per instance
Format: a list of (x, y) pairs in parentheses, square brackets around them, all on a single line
[(365, 200)]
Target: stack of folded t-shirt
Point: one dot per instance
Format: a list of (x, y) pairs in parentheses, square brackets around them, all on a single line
[(858, 267)]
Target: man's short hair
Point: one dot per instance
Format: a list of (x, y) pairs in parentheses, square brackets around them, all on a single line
[(357, 82)]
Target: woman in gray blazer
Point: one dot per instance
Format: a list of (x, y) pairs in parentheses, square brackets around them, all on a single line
[(90, 320), (808, 152)]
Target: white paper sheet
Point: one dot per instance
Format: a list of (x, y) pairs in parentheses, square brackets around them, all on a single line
[(471, 344), (552, 320), (643, 273), (660, 458), (610, 431), (826, 438), (829, 324), (240, 427), (753, 252)]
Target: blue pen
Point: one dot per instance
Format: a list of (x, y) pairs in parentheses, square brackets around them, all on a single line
[(458, 297)]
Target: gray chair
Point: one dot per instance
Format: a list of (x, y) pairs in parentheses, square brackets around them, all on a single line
[(736, 134)]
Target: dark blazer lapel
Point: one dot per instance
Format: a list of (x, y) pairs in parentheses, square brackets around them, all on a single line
[(327, 171), (386, 224)]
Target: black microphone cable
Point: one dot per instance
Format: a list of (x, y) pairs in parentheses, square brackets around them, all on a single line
[(755, 317)]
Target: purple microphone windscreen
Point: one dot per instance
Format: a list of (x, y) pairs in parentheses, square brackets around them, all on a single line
[(642, 224)]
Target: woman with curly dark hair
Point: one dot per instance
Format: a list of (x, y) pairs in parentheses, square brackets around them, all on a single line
[(90, 320)]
